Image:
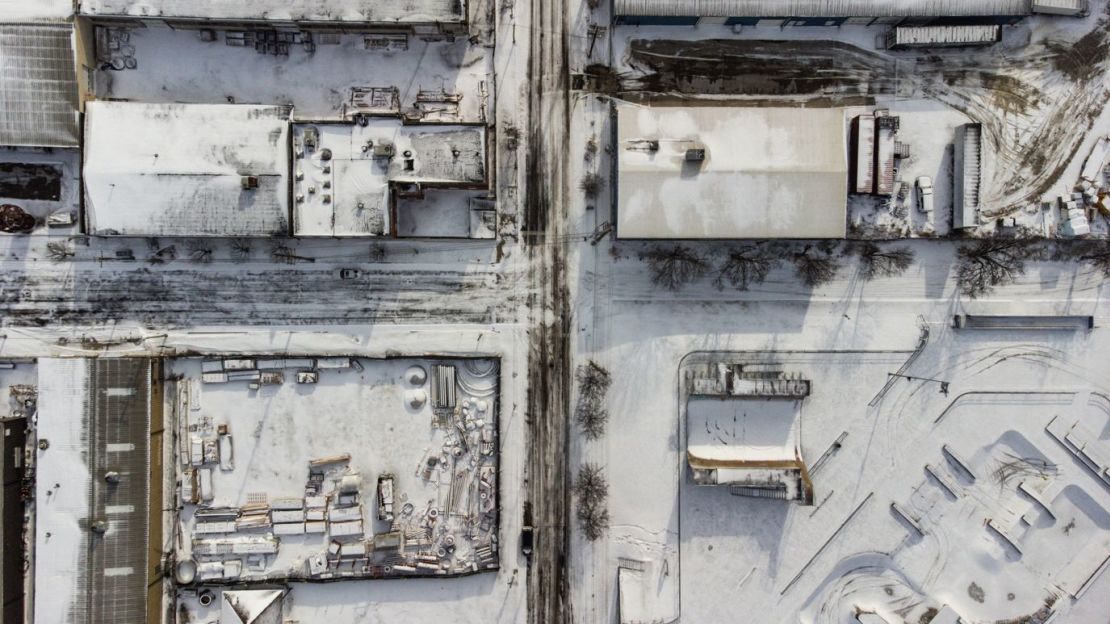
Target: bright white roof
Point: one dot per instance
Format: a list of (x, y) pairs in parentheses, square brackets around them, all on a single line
[(252, 606), (768, 173), (177, 169), (35, 10), (758, 430), (368, 11), (61, 540)]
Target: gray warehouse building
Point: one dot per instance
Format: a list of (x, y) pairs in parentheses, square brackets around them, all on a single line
[(818, 12)]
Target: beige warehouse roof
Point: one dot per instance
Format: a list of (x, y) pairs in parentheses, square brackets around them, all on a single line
[(822, 8), (768, 173)]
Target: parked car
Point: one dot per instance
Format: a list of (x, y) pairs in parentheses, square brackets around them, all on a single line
[(527, 534), (925, 195), (349, 274)]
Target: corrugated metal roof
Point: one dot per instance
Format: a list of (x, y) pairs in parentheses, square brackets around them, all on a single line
[(946, 35), (366, 11), (822, 8), (38, 86)]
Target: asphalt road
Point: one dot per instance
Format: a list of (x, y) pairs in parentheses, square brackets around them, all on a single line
[(182, 295), (549, 354)]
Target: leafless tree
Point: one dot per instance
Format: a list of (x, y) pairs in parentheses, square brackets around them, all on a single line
[(240, 249), (159, 253), (876, 261), (747, 265), (591, 184), (590, 412), (512, 137), (592, 493), (287, 255), (377, 252), (59, 251), (1095, 253), (200, 251), (982, 266), (815, 265), (674, 267)]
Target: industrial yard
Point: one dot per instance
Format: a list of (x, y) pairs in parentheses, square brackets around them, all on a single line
[(553, 311), (401, 479)]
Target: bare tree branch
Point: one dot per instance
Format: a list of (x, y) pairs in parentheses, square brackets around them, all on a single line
[(58, 251), (876, 261), (240, 249), (814, 265), (592, 493), (200, 251), (287, 255), (590, 412), (674, 267), (982, 266), (746, 266)]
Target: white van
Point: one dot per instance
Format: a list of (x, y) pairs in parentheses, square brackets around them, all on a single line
[(925, 195)]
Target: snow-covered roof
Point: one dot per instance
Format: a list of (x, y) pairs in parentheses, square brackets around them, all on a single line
[(178, 169), (35, 10), (742, 430), (349, 193), (767, 173), (38, 86), (823, 8), (61, 541), (351, 11), (252, 606), (92, 536)]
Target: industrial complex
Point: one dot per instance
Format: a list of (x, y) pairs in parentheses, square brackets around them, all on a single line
[(555, 311)]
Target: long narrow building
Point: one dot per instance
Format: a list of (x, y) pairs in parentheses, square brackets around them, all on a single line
[(818, 12)]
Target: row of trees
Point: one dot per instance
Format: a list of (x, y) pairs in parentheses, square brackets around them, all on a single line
[(981, 266), (201, 251), (742, 267)]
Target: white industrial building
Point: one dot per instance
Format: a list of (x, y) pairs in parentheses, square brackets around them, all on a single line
[(186, 169), (730, 172), (312, 13), (373, 179), (833, 12)]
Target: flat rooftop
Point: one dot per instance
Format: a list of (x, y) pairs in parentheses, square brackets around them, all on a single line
[(179, 169), (766, 173), (331, 11), (281, 474), (347, 174)]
